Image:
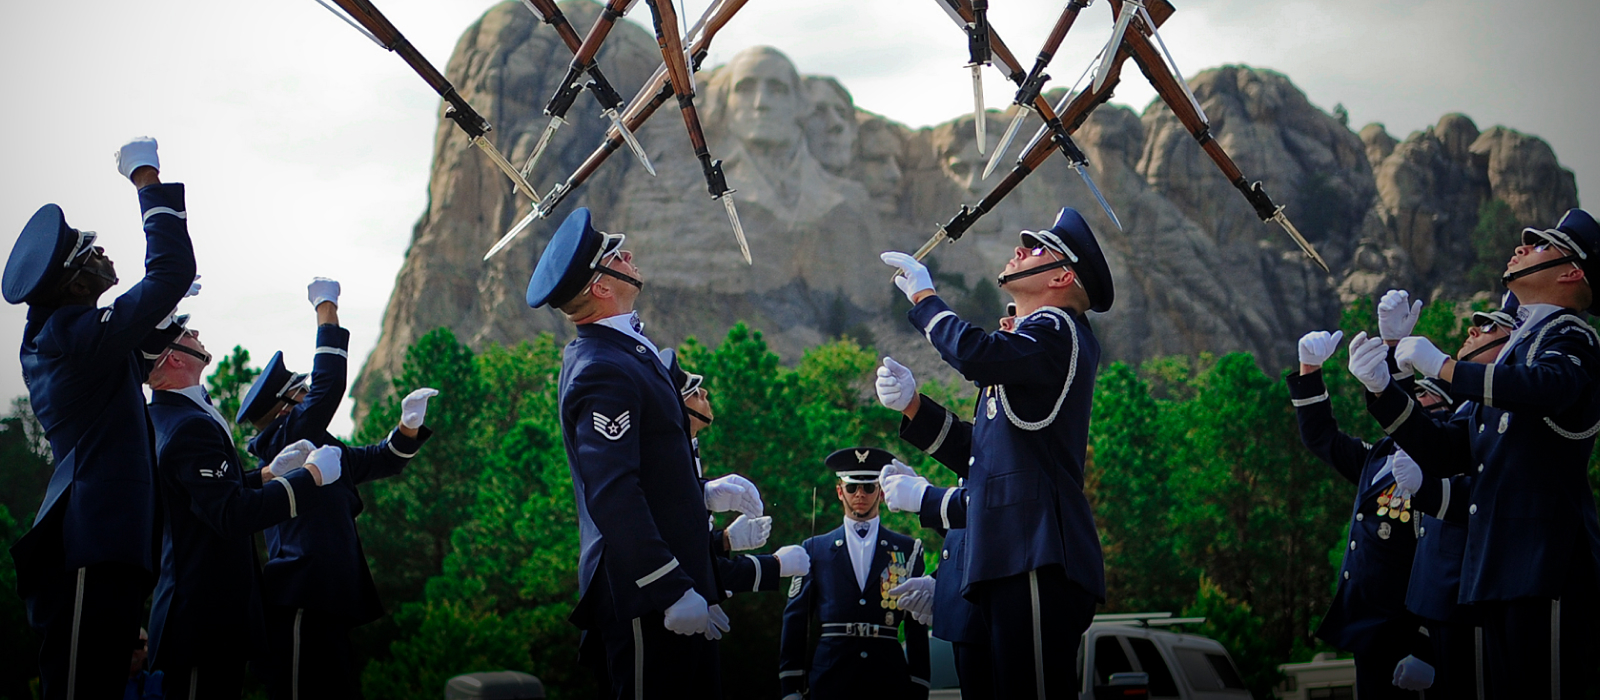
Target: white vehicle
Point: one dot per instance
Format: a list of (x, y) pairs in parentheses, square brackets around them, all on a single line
[(1131, 657)]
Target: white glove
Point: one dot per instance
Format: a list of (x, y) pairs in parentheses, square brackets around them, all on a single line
[(1407, 475), (896, 387), (689, 615), (194, 288), (414, 407), (748, 533), (901, 492), (913, 275), (1397, 315), (137, 153), (717, 622), (1367, 362), (896, 466), (322, 289), (326, 460), (1413, 673), (916, 597), (1317, 346), (1420, 353), (793, 560), (291, 458), (733, 492)]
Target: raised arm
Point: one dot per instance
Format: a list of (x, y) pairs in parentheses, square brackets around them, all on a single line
[(1441, 448), (195, 456), (1319, 430), (1040, 351), (1558, 371)]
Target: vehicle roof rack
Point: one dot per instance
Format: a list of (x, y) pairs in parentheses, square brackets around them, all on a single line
[(1146, 619)]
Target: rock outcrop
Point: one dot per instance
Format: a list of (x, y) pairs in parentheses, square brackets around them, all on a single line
[(823, 187)]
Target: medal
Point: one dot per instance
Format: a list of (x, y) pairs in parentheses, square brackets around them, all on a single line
[(1405, 516), (1383, 511)]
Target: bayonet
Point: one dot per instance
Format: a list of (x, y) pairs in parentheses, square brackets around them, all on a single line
[(383, 32), (979, 53), (1031, 86), (572, 83), (1124, 16)]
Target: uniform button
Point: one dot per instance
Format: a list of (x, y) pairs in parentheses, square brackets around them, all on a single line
[(1352, 545), (863, 655), (1422, 532), (1480, 469), (1480, 428), (971, 461), (946, 554), (1360, 517), (1472, 509), (1347, 576), (863, 601)]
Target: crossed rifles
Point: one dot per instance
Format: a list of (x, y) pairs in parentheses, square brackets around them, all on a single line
[(1135, 26)]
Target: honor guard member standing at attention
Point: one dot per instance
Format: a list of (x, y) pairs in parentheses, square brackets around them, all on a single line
[(1034, 566), (316, 583), (645, 572), (1442, 531), (88, 563), (1533, 542), (206, 620), (745, 573), (853, 568), (1368, 616)]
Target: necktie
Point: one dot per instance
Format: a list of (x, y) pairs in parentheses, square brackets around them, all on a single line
[(861, 530)]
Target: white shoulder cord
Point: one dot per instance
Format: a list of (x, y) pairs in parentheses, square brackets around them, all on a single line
[(1533, 351), (1072, 370)]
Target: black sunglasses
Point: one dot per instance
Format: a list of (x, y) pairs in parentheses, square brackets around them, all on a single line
[(852, 487)]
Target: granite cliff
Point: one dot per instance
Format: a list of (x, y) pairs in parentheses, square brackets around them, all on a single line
[(823, 187)]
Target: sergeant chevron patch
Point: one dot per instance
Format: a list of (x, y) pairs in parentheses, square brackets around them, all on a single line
[(612, 428), (794, 586)]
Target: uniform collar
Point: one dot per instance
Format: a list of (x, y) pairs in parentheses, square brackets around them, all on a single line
[(1529, 315), (629, 324)]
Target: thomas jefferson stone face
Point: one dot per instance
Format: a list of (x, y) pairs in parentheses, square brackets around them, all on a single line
[(766, 103), (831, 124)]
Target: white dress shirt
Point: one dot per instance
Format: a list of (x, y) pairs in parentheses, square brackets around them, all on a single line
[(861, 548)]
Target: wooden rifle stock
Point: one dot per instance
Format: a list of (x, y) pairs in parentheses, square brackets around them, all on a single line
[(552, 15), (1031, 87), (583, 61)]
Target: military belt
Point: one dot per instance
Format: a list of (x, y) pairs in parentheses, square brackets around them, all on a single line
[(859, 629)]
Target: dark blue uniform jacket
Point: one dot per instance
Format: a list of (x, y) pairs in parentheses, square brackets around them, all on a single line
[(316, 561), (851, 666), (208, 597), (84, 368), (955, 619), (1027, 444), (641, 512), (1441, 540), (1376, 569), (1531, 525)]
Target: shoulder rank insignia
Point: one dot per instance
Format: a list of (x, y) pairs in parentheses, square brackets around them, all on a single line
[(217, 473), (612, 428), (794, 586)]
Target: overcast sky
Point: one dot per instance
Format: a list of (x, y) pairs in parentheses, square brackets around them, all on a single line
[(306, 149)]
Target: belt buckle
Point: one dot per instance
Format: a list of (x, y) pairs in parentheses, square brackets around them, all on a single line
[(860, 629)]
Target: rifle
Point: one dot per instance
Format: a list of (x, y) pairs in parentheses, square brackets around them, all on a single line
[(1061, 138), (660, 89), (1073, 116), (604, 93), (1032, 85), (666, 25), (369, 21), (1178, 97)]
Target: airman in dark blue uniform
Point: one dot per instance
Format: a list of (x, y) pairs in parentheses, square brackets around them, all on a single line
[(1033, 563), (206, 621), (645, 575), (88, 563), (316, 584), (1532, 557), (857, 652)]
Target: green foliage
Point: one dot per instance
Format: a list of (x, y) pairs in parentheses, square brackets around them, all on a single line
[(228, 384), (1496, 233), (1233, 623), (25, 454), (18, 645)]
